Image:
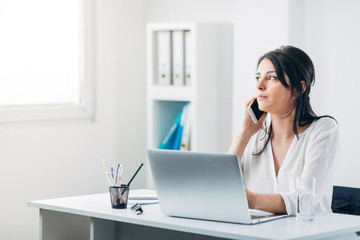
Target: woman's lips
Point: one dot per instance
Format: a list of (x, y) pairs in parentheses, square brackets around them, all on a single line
[(261, 97)]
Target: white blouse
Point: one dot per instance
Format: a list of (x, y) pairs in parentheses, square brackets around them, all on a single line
[(314, 154)]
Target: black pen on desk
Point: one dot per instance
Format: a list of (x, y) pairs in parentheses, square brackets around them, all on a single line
[(132, 177)]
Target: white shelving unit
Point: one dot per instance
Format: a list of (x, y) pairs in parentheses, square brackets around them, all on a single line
[(210, 92)]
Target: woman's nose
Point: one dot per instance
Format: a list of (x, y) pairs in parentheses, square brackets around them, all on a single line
[(261, 84)]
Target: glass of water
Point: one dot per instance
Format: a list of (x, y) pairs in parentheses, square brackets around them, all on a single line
[(305, 198)]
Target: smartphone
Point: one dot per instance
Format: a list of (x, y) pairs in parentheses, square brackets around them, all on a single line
[(254, 111)]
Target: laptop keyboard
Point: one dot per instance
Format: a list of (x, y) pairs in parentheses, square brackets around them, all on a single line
[(257, 216)]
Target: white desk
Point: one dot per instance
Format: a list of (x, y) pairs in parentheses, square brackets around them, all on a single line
[(91, 217)]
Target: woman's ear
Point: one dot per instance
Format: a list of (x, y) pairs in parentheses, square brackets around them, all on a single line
[(303, 86)]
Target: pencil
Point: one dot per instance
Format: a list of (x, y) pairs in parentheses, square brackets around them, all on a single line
[(132, 177)]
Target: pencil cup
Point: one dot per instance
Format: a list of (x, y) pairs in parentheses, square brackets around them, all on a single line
[(119, 196)]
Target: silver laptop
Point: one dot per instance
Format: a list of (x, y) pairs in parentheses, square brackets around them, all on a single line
[(203, 186)]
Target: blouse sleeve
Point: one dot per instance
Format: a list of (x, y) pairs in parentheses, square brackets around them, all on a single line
[(320, 161)]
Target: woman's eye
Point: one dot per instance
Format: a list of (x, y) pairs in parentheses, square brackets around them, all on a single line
[(257, 78), (272, 77)]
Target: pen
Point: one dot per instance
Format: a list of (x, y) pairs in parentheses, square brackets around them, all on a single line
[(103, 162), (120, 175), (133, 177), (107, 174), (110, 179), (117, 175)]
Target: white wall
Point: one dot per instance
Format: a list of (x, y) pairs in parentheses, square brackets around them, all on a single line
[(332, 38), (259, 26), (188, 10), (328, 32), (59, 159)]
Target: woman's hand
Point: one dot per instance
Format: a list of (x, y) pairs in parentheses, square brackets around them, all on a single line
[(248, 127), (273, 203), (250, 198)]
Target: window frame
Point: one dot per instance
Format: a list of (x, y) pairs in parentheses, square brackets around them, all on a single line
[(85, 110)]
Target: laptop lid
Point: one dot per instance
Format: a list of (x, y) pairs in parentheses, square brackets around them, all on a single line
[(199, 185)]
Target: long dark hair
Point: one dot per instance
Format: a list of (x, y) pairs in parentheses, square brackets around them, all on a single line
[(297, 65)]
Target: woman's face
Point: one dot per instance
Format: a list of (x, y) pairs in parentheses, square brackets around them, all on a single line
[(272, 96)]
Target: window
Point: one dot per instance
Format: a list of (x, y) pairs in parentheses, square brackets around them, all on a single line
[(45, 60)]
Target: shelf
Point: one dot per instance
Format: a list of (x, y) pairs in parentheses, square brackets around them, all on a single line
[(164, 114), (210, 92), (171, 93)]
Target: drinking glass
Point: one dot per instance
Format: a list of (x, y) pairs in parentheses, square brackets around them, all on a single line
[(305, 199)]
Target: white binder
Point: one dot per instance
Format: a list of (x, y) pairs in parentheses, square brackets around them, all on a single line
[(186, 134), (188, 58), (164, 57), (178, 62)]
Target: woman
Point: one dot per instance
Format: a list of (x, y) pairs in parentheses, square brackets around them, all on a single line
[(293, 141)]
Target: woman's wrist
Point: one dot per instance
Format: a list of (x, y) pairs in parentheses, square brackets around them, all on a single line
[(244, 135), (251, 197), (273, 203), (239, 144)]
